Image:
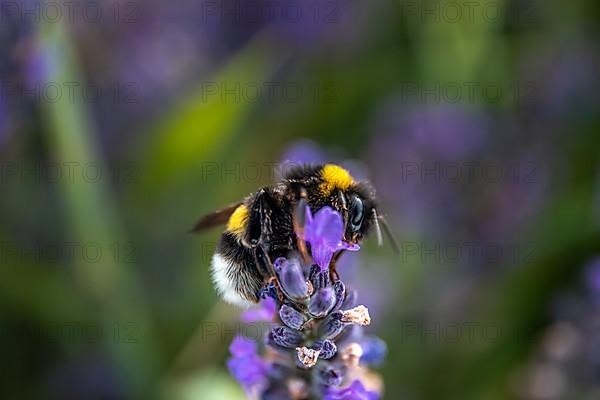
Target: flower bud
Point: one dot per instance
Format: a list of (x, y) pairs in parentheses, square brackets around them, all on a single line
[(340, 293), (322, 302), (327, 348), (291, 278), (332, 326), (291, 317), (286, 337)]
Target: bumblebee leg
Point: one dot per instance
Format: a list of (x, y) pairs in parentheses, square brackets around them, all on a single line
[(275, 282), (265, 266), (259, 230), (266, 269), (299, 218), (333, 274)]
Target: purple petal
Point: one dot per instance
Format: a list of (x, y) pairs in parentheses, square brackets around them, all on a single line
[(245, 365), (242, 346), (326, 227), (350, 246), (356, 391), (303, 151), (321, 256), (249, 371), (324, 232), (264, 312)]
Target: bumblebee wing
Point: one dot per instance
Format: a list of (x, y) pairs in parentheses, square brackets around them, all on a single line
[(216, 218)]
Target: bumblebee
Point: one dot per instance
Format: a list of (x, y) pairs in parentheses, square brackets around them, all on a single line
[(268, 224)]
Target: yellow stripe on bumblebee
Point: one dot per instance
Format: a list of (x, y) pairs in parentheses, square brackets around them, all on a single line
[(238, 220), (335, 177)]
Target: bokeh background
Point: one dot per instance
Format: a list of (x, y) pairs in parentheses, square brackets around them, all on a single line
[(122, 122)]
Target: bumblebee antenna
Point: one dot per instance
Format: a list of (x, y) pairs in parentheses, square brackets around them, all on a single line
[(386, 229), (377, 228)]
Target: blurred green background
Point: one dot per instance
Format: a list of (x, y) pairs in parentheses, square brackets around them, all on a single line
[(122, 122)]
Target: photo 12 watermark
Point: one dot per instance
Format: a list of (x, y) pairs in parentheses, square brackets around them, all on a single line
[(471, 12), (466, 332), (53, 12), (270, 92), (38, 92), (470, 92), (468, 252), (70, 332), (254, 12), (469, 172), (69, 172), (68, 252)]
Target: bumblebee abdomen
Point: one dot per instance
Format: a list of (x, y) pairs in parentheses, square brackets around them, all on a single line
[(234, 271)]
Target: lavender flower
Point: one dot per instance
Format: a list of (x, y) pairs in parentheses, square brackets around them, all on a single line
[(315, 347), (324, 232)]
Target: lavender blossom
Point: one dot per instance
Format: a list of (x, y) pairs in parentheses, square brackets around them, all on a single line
[(315, 348), (324, 232)]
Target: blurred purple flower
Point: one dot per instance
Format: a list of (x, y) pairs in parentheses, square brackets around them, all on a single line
[(592, 276), (245, 365), (324, 232), (374, 351), (306, 151), (356, 391), (265, 311), (303, 151)]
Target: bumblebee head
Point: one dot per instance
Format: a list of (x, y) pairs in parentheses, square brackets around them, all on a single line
[(332, 185), (359, 210), (354, 200)]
